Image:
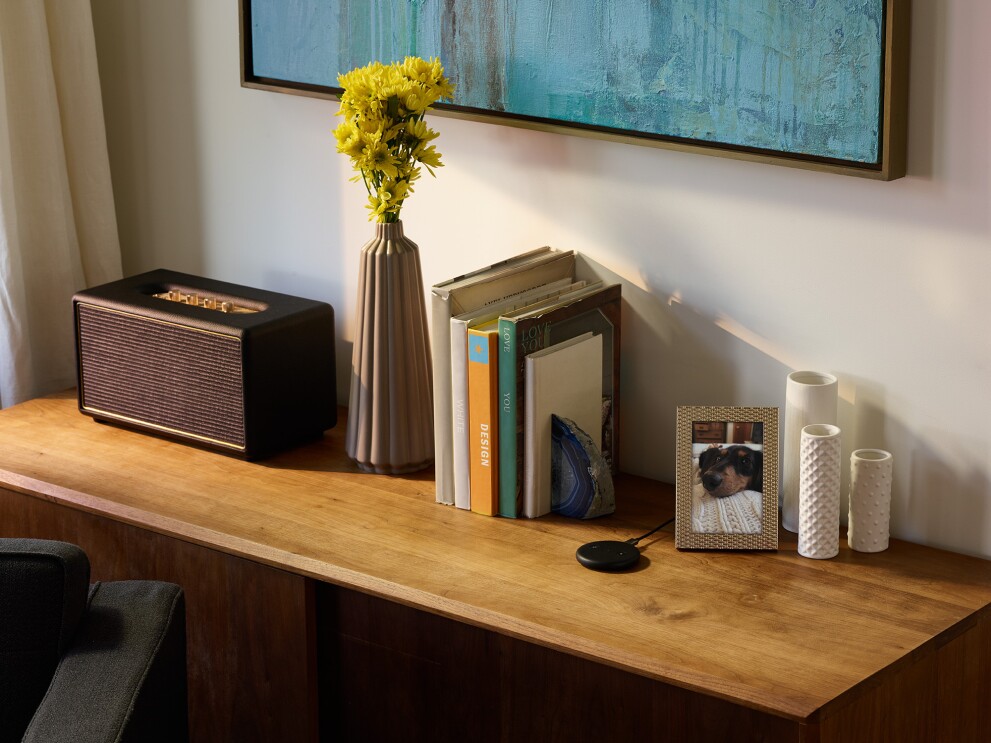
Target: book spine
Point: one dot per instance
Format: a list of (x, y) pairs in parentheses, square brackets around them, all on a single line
[(459, 408), (440, 321), (534, 338), (483, 421), (530, 400), (530, 337), (508, 505)]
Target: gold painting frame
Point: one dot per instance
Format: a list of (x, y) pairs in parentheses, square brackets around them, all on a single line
[(745, 520)]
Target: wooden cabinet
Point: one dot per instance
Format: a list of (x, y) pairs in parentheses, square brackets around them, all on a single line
[(708, 432), (328, 604)]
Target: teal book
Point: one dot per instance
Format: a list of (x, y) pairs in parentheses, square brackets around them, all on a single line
[(596, 309)]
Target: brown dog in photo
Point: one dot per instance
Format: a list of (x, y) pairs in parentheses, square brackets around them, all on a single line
[(732, 469)]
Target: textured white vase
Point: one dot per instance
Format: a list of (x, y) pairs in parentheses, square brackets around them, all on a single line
[(819, 492), (810, 397), (870, 500)]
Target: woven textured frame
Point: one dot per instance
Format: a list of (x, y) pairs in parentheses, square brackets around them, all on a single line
[(767, 538)]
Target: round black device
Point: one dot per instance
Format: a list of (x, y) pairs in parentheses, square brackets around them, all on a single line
[(608, 555)]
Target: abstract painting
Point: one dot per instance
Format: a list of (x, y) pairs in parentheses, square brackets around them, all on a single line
[(802, 80)]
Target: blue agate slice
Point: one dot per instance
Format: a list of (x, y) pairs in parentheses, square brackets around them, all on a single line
[(581, 482)]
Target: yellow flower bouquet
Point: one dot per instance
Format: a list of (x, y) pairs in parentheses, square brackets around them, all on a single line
[(383, 131)]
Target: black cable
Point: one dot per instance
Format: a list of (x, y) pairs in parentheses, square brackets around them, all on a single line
[(636, 540)]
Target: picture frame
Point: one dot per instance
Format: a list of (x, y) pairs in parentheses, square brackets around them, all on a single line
[(822, 87), (726, 488)]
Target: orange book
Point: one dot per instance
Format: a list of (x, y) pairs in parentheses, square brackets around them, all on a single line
[(483, 417)]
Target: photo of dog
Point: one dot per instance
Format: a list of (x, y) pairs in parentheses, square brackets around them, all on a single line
[(727, 470), (728, 485)]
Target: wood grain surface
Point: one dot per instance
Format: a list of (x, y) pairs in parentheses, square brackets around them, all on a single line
[(774, 632)]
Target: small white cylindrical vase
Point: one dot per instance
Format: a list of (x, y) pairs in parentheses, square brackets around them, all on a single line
[(810, 397), (870, 500), (819, 492)]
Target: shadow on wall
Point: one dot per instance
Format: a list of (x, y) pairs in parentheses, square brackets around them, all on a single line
[(949, 500), (939, 494), (674, 355), (321, 288), (146, 72), (688, 359)]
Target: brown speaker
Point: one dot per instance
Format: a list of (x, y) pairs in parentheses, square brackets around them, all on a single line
[(239, 370)]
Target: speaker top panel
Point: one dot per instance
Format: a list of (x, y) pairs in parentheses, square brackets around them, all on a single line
[(207, 304)]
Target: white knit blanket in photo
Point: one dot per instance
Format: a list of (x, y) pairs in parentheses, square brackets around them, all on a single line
[(735, 514)]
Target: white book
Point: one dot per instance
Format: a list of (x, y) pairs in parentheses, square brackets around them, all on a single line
[(564, 380), (463, 294), (459, 375)]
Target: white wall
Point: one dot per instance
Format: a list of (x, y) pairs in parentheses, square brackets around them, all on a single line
[(735, 273)]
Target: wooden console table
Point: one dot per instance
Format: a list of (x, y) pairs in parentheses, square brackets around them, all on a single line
[(328, 604)]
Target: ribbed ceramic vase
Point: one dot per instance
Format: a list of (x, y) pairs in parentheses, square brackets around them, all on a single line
[(810, 397), (870, 500), (390, 414), (819, 492)]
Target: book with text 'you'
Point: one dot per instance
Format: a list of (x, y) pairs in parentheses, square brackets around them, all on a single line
[(483, 417), (597, 309), (565, 380), (472, 291)]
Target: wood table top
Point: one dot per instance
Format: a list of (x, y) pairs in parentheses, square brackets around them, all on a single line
[(769, 630)]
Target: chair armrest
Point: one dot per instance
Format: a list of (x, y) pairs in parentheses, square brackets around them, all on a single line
[(43, 587), (124, 675)]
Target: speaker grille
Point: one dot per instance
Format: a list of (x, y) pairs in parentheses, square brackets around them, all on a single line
[(173, 377)]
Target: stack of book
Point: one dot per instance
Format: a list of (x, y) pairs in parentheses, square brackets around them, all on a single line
[(513, 343)]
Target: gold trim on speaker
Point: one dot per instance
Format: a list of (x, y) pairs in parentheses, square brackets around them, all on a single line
[(163, 429)]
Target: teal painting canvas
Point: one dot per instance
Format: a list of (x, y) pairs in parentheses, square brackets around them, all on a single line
[(802, 78)]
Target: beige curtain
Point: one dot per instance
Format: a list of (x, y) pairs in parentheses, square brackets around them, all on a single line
[(58, 231)]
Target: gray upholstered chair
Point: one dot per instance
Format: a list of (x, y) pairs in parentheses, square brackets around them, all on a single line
[(87, 663)]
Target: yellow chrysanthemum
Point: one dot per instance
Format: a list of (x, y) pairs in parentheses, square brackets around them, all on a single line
[(349, 141), (416, 68), (352, 147), (376, 208), (377, 158), (429, 157), (418, 131)]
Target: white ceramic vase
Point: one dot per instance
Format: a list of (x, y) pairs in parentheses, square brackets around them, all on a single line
[(390, 413), (870, 500), (810, 397), (819, 492)]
